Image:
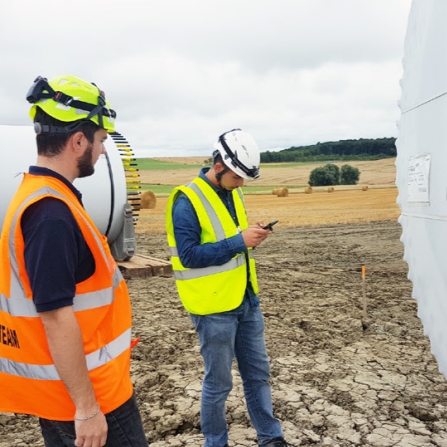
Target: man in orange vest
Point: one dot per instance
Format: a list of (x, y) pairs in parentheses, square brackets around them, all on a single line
[(64, 306)]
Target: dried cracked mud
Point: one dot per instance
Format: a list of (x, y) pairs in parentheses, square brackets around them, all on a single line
[(338, 379)]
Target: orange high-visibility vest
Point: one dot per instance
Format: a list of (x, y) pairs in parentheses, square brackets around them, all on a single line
[(29, 381)]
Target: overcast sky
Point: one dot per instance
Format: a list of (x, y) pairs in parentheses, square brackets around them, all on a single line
[(180, 72)]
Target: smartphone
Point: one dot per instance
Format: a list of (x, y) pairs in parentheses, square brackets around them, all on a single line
[(270, 225)]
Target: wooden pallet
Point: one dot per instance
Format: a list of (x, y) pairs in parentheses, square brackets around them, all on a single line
[(141, 266)]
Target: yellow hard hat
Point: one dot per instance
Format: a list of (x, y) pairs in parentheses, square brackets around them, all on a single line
[(70, 99)]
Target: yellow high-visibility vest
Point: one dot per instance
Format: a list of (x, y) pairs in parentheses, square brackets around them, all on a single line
[(218, 288)]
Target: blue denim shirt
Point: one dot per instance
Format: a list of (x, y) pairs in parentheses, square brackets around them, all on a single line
[(187, 232)]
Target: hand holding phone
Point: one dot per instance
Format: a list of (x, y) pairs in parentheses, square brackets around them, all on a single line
[(270, 225)]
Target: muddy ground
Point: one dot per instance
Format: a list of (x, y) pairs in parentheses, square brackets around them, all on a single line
[(338, 379)]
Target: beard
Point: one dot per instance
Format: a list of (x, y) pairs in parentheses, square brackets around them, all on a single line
[(85, 162)]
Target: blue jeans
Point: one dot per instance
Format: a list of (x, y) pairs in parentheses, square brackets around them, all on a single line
[(238, 332), (125, 429)]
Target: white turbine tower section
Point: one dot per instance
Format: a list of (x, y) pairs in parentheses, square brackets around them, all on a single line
[(104, 194), (422, 167)]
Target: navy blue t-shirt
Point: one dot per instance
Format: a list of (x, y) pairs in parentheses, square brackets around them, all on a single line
[(57, 256)]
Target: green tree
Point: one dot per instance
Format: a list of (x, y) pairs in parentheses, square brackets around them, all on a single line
[(362, 149), (335, 170), (349, 175), (322, 177)]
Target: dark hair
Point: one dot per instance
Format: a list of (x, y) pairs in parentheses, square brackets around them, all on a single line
[(52, 144), (217, 158)]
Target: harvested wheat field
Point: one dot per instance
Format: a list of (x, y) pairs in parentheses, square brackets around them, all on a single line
[(338, 379), (346, 206), (380, 172)]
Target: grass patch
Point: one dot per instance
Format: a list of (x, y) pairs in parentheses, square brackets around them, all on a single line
[(167, 189), (148, 164), (157, 189), (289, 165), (305, 163), (249, 188)]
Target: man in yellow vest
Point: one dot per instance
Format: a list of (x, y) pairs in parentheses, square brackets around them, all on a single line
[(211, 248), (63, 301)]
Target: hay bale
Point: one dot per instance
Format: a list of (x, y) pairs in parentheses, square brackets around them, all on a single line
[(136, 204), (275, 192), (308, 190), (364, 188), (283, 192), (148, 200), (330, 189)]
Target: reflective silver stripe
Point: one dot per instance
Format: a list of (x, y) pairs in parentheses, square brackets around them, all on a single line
[(100, 298), (42, 192), (48, 372), (18, 307), (117, 278), (38, 372), (174, 251), (251, 254), (215, 221), (109, 351), (23, 307), (199, 273), (92, 300), (241, 195)]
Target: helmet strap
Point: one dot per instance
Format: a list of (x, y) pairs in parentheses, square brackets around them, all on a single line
[(45, 128), (221, 173), (99, 108)]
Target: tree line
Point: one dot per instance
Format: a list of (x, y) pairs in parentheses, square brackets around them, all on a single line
[(362, 149)]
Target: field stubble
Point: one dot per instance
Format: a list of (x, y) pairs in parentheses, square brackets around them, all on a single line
[(379, 172), (297, 210)]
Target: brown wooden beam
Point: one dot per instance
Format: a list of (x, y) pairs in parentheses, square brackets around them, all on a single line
[(141, 266)]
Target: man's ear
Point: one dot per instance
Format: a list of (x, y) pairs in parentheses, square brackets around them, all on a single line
[(218, 168), (78, 141)]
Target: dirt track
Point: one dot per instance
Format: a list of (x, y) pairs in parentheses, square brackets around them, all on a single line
[(337, 380)]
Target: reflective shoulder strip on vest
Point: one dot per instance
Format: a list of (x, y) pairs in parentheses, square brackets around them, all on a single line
[(173, 251), (49, 372), (214, 219), (251, 254), (18, 305), (206, 271), (241, 195)]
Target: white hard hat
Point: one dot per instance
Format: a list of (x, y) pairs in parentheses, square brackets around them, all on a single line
[(240, 153)]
